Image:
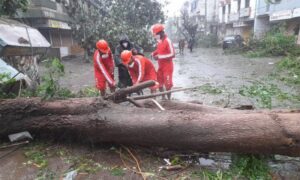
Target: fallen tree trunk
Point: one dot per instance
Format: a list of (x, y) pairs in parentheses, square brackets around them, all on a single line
[(200, 128)]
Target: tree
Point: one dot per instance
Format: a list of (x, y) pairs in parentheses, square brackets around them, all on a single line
[(10, 7), (189, 27), (108, 19), (135, 17)]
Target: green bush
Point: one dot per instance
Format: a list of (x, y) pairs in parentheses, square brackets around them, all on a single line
[(290, 68), (278, 44), (50, 87), (251, 166), (264, 93), (89, 92), (6, 84), (275, 43)]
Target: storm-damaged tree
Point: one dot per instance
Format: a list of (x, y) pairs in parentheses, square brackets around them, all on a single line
[(10, 7), (183, 126), (108, 19), (187, 27)]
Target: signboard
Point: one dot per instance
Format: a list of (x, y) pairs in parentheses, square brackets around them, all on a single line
[(296, 12), (49, 14), (58, 24), (240, 24), (245, 12), (281, 15), (233, 17)]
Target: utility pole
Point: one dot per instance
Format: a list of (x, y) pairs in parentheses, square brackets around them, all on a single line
[(205, 25)]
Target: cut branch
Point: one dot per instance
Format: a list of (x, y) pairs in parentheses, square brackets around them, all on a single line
[(159, 94), (121, 94)]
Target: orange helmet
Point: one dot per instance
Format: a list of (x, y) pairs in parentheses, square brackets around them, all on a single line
[(156, 28), (102, 45), (126, 56)]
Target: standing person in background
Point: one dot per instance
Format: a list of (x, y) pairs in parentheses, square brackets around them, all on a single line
[(191, 44), (125, 44), (181, 45), (104, 67), (164, 54)]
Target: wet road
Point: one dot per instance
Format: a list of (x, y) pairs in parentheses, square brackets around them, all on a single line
[(225, 73), (223, 76)]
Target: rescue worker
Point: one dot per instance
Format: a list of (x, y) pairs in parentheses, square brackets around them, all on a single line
[(164, 54), (125, 44), (104, 67), (140, 68)]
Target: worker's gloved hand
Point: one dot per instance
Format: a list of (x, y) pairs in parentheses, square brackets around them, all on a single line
[(113, 85)]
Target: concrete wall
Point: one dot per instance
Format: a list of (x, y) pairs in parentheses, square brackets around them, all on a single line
[(264, 8), (261, 26), (253, 9), (212, 12), (200, 9)]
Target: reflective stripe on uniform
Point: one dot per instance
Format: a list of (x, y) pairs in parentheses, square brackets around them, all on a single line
[(140, 71), (103, 70)]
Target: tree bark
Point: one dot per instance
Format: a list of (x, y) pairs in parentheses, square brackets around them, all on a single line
[(182, 126)]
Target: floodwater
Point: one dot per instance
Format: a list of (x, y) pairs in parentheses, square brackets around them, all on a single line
[(225, 73)]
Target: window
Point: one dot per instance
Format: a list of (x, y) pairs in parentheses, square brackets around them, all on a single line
[(247, 3), (194, 5), (239, 5), (223, 9), (229, 8)]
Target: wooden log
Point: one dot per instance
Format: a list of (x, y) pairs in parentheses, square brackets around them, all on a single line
[(210, 130), (159, 94), (121, 94)]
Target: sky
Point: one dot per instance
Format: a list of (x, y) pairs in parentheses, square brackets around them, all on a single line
[(173, 7)]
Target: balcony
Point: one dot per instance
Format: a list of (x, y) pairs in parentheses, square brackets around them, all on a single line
[(44, 3), (245, 12), (233, 17), (43, 13)]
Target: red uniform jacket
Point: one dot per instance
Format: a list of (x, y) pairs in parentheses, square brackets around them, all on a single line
[(104, 69), (142, 70), (165, 49)]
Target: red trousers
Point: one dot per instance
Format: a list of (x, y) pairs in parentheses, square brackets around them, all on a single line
[(165, 74), (101, 82)]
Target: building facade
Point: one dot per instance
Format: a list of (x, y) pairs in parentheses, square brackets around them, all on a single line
[(51, 19), (285, 12), (236, 17), (203, 13)]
